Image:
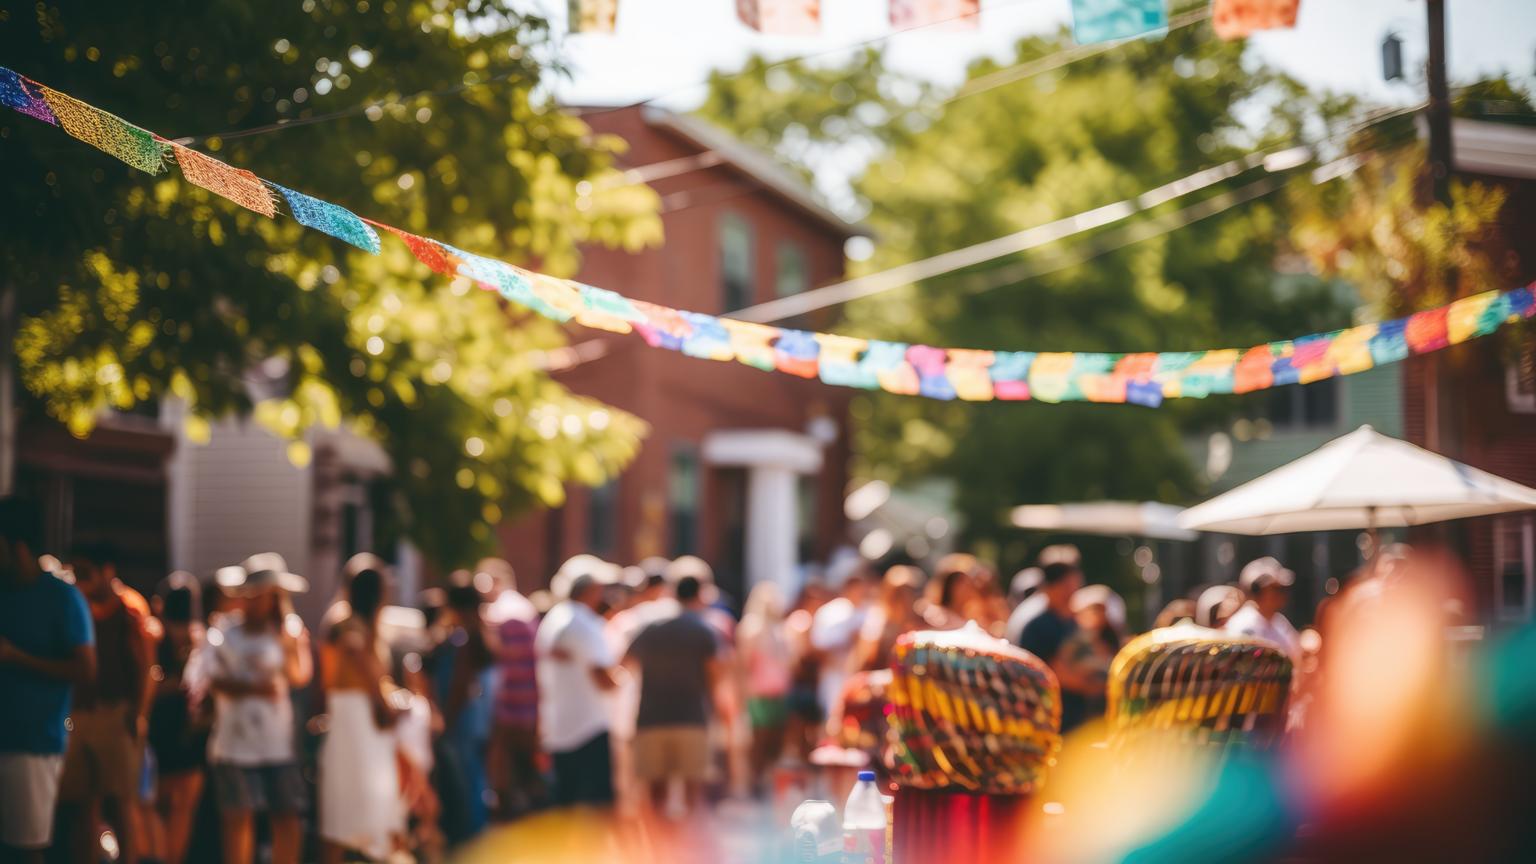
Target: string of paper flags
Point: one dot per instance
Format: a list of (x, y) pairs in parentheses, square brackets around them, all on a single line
[(922, 370), (1092, 20)]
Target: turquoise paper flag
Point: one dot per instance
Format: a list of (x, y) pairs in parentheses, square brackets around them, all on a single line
[(1108, 20)]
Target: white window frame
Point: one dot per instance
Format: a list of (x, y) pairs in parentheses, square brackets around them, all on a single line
[(1525, 553), (1519, 403)]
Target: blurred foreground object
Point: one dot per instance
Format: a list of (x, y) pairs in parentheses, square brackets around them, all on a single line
[(970, 713), (1210, 688)]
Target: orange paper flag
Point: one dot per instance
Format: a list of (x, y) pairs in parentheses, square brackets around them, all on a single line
[(236, 184), (1234, 19)]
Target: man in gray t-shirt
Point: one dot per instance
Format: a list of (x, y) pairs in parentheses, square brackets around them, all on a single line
[(677, 662)]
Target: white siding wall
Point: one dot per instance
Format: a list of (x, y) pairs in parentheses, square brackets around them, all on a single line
[(237, 495)]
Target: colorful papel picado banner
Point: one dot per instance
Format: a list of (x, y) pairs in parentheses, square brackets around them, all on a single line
[(968, 374)]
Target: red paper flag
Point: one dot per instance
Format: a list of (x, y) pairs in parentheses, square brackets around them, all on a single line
[(1234, 19), (429, 252), (781, 17), (951, 14)]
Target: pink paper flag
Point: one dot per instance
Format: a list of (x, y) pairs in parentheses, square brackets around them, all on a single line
[(781, 17), (945, 14)]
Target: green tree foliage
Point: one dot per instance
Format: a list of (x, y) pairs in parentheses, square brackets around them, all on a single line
[(1380, 229), (134, 288), (811, 115), (1009, 157)]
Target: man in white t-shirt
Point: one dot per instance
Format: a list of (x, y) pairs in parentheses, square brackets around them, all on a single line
[(576, 675), (834, 631), (1268, 587)]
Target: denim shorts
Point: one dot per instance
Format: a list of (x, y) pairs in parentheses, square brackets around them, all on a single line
[(276, 788)]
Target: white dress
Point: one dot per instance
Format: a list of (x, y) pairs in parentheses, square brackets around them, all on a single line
[(361, 807)]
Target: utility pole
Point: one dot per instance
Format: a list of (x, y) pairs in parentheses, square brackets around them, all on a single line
[(1437, 117), (1439, 111)]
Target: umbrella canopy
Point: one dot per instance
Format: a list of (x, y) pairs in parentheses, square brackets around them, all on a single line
[(1364, 480), (1118, 518)]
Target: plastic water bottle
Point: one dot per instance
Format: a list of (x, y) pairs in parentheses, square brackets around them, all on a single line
[(864, 823)]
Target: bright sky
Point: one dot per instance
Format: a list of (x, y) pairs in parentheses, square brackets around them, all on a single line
[(669, 46)]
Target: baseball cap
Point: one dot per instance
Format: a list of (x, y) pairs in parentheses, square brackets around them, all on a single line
[(1263, 572)]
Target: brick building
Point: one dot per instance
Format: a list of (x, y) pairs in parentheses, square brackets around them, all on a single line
[(742, 467), (1477, 402)]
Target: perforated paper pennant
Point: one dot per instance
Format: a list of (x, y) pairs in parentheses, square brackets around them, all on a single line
[(942, 373), (752, 343), (226, 181), (1108, 20), (707, 338), (781, 17), (970, 375), (20, 94), (839, 359), (935, 14), (1234, 19), (107, 132), (594, 16), (795, 353)]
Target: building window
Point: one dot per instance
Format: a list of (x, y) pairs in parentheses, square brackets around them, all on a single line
[(1520, 380), (683, 501), (790, 276), (1514, 567), (603, 518), (1305, 406), (735, 262)]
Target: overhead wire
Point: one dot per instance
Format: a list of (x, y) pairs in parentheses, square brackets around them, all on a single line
[(361, 108)]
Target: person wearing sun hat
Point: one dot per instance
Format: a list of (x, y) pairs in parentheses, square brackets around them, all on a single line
[(1267, 584), (255, 656)]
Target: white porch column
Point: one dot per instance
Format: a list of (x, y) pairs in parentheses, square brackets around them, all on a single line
[(772, 526), (775, 459)]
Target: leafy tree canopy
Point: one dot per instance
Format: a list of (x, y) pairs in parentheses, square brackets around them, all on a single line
[(132, 288), (1034, 150)]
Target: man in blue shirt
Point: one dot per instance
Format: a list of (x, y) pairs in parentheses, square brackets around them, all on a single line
[(46, 648)]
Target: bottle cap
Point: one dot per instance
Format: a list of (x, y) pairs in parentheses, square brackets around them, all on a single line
[(866, 775)]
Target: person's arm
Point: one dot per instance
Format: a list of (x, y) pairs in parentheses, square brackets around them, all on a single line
[(354, 649), (146, 633), (78, 668), (1074, 676), (605, 677), (299, 665), (237, 688), (720, 696), (599, 661)]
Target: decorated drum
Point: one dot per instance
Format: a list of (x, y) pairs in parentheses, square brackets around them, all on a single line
[(1201, 685), (971, 713)]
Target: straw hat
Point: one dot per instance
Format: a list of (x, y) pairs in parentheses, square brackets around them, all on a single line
[(258, 573)]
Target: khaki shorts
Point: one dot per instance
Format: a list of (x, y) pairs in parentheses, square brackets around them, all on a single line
[(103, 758), (29, 786), (672, 751)]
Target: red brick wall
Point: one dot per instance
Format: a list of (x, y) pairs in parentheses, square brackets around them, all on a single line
[(682, 398), (1478, 427)]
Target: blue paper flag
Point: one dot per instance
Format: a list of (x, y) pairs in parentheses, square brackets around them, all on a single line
[(1108, 20), (327, 218), (709, 338), (1148, 393)]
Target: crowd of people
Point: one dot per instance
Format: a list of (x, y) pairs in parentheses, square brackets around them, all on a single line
[(407, 729)]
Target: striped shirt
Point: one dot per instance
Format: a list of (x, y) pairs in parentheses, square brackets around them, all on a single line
[(517, 693)]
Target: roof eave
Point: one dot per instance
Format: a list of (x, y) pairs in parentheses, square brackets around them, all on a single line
[(761, 168)]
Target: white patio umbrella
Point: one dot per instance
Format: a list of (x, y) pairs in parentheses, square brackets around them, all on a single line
[(1364, 480)]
